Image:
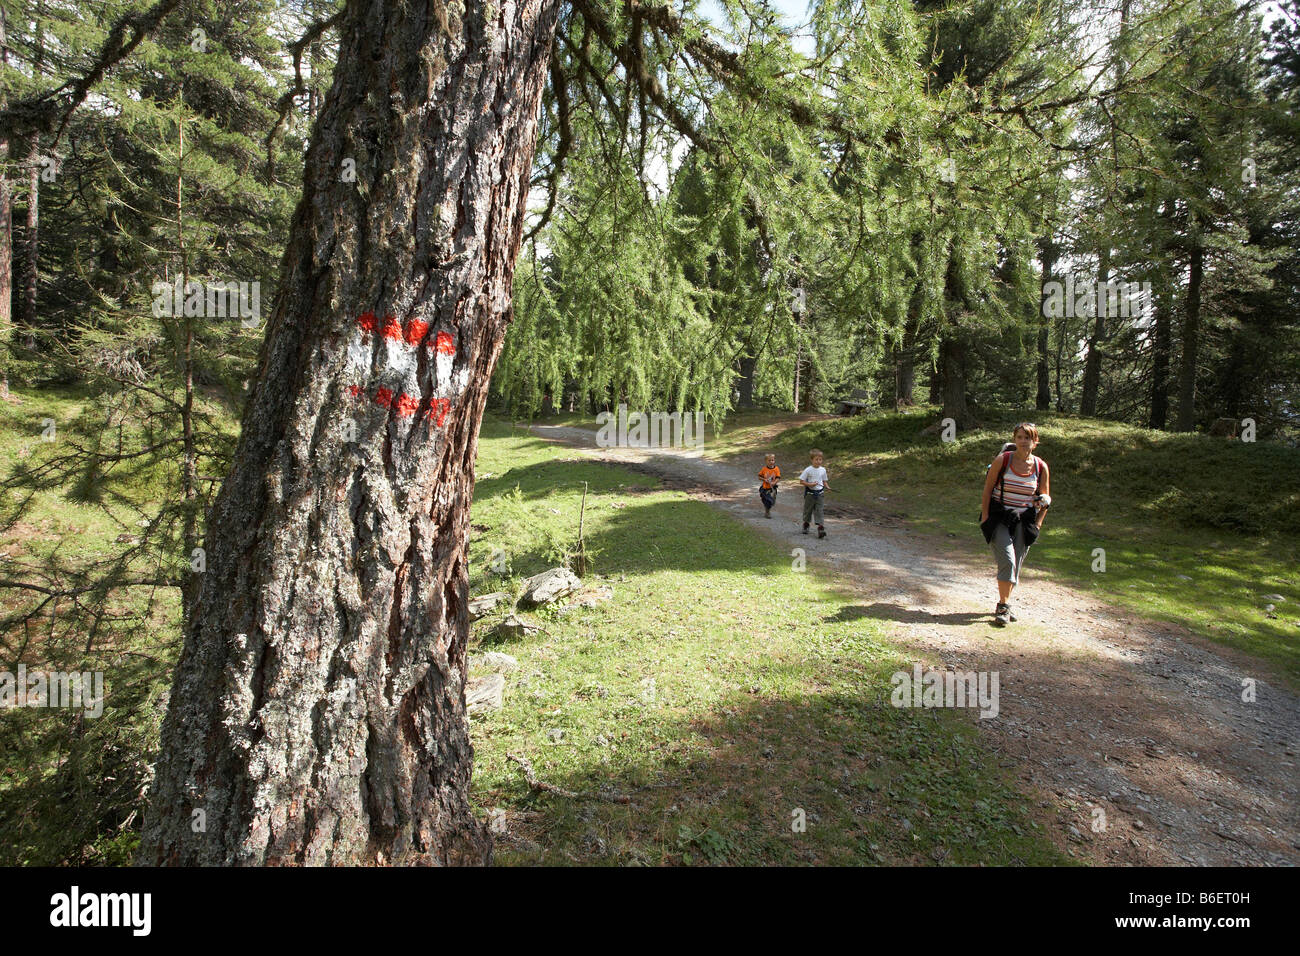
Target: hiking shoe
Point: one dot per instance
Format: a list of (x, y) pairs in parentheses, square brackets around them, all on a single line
[(767, 512), (805, 529), (1001, 614), (1011, 615), (821, 532)]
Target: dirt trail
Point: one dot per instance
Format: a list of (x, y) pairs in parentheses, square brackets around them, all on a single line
[(1101, 709)]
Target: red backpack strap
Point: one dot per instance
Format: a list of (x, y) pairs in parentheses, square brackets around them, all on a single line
[(1001, 482)]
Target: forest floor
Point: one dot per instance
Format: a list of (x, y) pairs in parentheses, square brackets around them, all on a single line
[(722, 700), (1135, 724)]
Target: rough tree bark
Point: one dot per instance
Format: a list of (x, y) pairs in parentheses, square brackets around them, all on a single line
[(317, 714)]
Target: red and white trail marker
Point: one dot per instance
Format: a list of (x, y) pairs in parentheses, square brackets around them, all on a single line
[(397, 387)]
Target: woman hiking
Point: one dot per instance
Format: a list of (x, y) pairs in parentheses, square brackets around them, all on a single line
[(1016, 499)]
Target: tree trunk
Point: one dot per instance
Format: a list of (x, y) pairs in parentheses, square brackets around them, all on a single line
[(190, 459), (905, 357), (803, 387), (746, 366), (905, 363), (905, 377), (318, 711), (6, 233), (1235, 376), (808, 384), (6, 269), (1060, 361), (798, 358), (952, 350), (1048, 254), (31, 241), (952, 363), (1160, 353), (1191, 335), (1092, 364), (1043, 398)]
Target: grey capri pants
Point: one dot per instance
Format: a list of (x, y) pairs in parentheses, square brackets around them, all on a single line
[(1010, 554)]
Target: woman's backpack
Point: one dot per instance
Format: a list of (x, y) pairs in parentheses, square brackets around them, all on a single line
[(996, 508)]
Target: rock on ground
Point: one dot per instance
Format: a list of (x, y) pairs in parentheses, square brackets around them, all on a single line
[(550, 585), (484, 693), (485, 604), (515, 626), (494, 662), (590, 597)]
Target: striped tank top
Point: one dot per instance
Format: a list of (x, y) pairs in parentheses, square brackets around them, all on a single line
[(1018, 490)]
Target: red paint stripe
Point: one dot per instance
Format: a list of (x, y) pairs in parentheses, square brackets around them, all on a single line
[(415, 331), (392, 329), (438, 406), (407, 405)]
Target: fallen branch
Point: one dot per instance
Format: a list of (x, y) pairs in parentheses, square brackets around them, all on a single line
[(541, 786)]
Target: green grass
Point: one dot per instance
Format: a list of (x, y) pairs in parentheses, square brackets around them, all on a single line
[(1196, 530), (720, 691), (70, 789)]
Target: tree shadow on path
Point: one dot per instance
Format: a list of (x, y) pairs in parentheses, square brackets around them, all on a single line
[(882, 611)]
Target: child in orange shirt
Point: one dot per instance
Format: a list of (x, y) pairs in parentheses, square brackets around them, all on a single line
[(771, 476)]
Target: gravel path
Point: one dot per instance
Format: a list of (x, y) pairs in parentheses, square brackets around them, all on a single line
[(1130, 735)]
